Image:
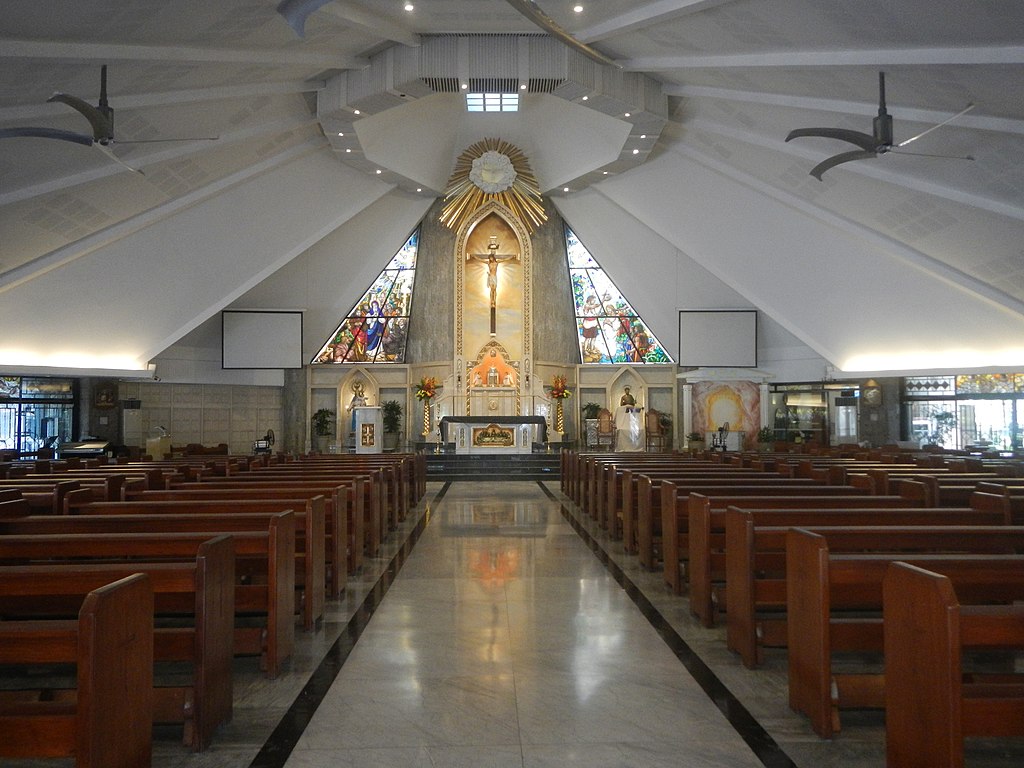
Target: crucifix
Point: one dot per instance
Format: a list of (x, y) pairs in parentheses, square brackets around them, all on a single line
[(493, 259)]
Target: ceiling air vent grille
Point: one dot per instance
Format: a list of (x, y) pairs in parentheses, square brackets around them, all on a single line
[(493, 85), (442, 84), (543, 84)]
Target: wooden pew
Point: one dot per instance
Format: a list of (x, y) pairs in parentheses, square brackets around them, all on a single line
[(705, 555), (310, 536), (755, 585), (202, 589), (272, 640), (107, 721), (834, 604), (641, 492), (365, 502), (930, 703), (669, 532), (335, 509), (18, 507)]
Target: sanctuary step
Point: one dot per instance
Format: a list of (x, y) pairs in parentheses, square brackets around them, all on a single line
[(510, 466)]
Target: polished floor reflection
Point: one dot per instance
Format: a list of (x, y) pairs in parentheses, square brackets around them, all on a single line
[(505, 642)]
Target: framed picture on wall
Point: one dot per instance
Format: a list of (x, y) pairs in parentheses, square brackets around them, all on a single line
[(105, 396)]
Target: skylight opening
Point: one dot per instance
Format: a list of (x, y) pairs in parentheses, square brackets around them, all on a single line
[(492, 102)]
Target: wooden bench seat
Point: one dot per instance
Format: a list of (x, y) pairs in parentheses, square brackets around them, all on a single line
[(755, 559), (201, 590), (834, 604), (365, 502), (310, 536), (931, 704), (336, 511), (705, 557), (107, 721), (264, 566), (665, 535), (272, 639)]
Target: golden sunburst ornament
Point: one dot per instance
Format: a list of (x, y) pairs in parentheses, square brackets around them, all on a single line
[(492, 169)]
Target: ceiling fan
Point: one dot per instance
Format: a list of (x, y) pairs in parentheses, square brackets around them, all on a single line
[(100, 117), (878, 142)]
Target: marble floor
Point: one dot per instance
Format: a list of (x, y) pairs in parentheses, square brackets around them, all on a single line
[(498, 629)]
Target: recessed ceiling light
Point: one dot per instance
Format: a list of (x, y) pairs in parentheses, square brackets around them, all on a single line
[(585, 98), (636, 151), (643, 135), (578, 8), (565, 189), (626, 115), (410, 7), (419, 189), (356, 111), (522, 87), (348, 150), (379, 171), (340, 133), (604, 172), (465, 86)]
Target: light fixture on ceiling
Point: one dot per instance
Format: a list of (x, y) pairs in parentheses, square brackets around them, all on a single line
[(585, 98), (636, 151), (379, 171), (419, 189), (356, 112), (349, 149), (627, 115), (643, 135), (410, 7), (565, 189), (340, 133), (577, 9)]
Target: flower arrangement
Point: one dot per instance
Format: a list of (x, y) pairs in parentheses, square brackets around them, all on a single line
[(558, 390), (426, 388)]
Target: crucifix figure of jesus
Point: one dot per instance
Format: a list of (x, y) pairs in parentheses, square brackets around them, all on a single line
[(492, 259)]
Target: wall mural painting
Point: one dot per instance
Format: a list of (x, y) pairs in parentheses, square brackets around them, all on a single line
[(737, 402), (376, 329), (610, 331)]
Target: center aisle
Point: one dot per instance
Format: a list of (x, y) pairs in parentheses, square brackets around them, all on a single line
[(504, 641)]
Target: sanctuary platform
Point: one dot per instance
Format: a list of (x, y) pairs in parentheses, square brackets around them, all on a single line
[(495, 467)]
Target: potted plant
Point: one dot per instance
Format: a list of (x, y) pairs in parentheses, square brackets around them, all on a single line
[(392, 413), (765, 439), (589, 410), (322, 428), (695, 441)]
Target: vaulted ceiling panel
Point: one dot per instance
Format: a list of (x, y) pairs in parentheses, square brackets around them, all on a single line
[(712, 178)]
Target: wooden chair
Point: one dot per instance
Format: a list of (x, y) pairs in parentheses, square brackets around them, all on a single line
[(605, 429), (657, 438)]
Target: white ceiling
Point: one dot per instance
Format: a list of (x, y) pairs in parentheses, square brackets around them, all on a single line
[(893, 263)]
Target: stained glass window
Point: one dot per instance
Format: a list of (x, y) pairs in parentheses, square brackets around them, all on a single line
[(610, 331), (376, 328)]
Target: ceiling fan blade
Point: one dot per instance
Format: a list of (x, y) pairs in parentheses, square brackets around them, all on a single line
[(47, 133), (963, 111), (102, 125), (106, 150), (532, 11), (835, 160), (295, 12), (863, 140)]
